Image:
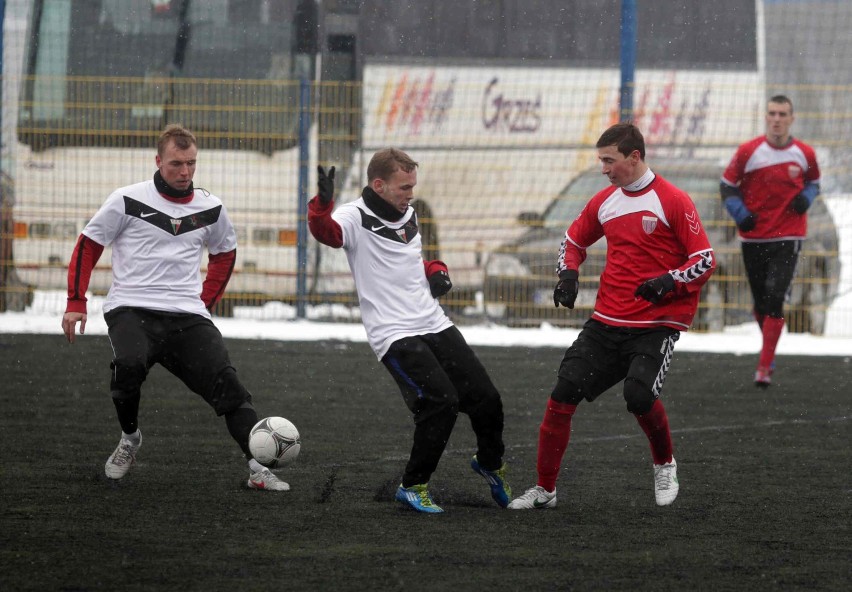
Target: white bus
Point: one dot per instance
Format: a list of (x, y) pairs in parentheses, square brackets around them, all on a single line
[(498, 133), (101, 78)]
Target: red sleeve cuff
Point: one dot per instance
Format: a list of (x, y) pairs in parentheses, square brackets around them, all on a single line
[(434, 266)]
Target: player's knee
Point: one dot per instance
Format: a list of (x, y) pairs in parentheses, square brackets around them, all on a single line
[(773, 301), (228, 392), (774, 309), (444, 405), (566, 391), (127, 376), (122, 395), (638, 396)]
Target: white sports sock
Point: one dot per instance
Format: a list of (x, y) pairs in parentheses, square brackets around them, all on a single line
[(254, 466), (134, 437)]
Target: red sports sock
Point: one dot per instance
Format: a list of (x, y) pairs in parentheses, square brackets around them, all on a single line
[(655, 424), (772, 328), (553, 435)]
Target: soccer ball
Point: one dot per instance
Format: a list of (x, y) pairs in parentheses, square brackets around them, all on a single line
[(274, 442)]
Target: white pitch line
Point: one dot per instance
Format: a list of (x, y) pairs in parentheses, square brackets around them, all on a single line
[(638, 434)]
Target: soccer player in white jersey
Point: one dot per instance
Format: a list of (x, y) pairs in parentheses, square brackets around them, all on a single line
[(658, 257), (437, 372), (767, 188), (157, 309)]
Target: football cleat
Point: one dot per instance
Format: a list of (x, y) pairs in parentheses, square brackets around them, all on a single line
[(666, 485), (534, 498), (267, 481), (763, 377), (417, 498), (500, 490), (122, 457)]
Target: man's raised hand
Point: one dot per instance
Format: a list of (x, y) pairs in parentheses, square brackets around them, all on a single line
[(325, 184)]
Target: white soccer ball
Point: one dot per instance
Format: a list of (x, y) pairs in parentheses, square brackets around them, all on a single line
[(274, 442)]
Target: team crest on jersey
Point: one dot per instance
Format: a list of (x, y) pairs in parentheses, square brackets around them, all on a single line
[(175, 225), (649, 223), (794, 171)]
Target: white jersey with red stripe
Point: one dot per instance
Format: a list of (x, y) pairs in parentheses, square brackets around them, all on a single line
[(769, 178), (649, 232), (387, 265), (157, 246)]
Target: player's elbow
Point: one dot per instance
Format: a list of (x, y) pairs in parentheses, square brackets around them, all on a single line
[(727, 190)]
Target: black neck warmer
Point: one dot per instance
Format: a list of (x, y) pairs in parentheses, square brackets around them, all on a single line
[(167, 189), (380, 206)]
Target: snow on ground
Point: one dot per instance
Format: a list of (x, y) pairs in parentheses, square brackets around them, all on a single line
[(277, 321)]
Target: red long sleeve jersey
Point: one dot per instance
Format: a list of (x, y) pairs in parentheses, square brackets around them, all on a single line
[(649, 232), (769, 178)]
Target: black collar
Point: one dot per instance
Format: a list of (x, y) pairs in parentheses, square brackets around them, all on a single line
[(167, 189), (380, 206)]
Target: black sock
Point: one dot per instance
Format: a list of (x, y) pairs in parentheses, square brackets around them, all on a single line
[(127, 409), (240, 421)]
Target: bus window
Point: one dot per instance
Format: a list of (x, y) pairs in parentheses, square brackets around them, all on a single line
[(264, 236), (65, 230), (40, 230), (114, 72)]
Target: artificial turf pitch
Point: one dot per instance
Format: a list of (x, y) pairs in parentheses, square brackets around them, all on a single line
[(764, 502)]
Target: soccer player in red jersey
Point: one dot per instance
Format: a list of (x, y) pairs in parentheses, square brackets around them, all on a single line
[(158, 309), (767, 188), (658, 257)]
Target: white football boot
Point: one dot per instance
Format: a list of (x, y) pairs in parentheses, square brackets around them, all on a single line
[(122, 457), (665, 483), (534, 498), (266, 480)]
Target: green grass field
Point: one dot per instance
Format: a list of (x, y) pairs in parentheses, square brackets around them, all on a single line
[(764, 501)]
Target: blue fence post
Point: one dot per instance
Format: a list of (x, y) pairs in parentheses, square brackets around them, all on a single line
[(2, 41), (302, 225), (628, 59)]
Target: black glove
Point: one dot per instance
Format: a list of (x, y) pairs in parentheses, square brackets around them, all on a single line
[(325, 185), (439, 283), (565, 292), (800, 203), (747, 223), (655, 290)]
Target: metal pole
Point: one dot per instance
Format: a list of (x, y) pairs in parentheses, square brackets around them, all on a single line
[(628, 59), (302, 225), (2, 78)]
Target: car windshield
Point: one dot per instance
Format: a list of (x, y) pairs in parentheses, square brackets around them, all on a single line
[(701, 185)]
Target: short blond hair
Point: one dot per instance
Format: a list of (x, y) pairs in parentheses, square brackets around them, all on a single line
[(386, 162), (182, 137)]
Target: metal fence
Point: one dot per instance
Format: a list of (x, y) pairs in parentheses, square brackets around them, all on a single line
[(504, 155), (504, 152)]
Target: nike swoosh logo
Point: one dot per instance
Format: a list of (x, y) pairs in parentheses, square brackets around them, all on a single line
[(538, 504), (146, 214), (375, 228)]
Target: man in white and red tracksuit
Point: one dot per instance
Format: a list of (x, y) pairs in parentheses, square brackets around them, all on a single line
[(157, 309), (436, 370), (658, 257), (767, 188)]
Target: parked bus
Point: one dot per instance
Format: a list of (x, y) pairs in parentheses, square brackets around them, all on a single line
[(499, 123), (102, 78)]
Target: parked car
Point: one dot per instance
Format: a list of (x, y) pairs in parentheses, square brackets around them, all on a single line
[(520, 275)]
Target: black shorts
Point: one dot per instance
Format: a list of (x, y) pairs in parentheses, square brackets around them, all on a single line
[(603, 355), (436, 368), (771, 267), (187, 345)]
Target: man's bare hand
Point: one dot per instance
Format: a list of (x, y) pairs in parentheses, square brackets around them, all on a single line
[(69, 324)]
